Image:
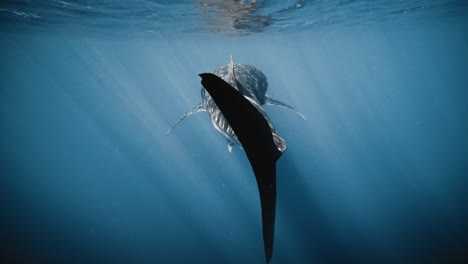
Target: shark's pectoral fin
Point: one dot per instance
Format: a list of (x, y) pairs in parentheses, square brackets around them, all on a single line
[(271, 101), (198, 108), (229, 145)]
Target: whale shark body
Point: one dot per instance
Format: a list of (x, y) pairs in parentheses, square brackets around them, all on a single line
[(233, 97), (255, 132), (252, 84)]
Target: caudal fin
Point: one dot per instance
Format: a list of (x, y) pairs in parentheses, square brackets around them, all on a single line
[(255, 135)]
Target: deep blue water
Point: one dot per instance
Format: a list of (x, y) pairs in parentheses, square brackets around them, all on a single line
[(376, 174)]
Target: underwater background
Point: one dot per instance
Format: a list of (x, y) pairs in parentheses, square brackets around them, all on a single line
[(378, 173)]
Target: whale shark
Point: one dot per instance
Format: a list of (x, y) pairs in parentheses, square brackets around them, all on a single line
[(255, 133), (252, 84)]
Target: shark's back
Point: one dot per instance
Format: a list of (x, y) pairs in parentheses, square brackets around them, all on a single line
[(252, 84), (249, 82)]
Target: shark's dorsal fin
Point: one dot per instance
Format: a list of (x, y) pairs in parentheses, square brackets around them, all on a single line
[(271, 101), (231, 77), (198, 108)]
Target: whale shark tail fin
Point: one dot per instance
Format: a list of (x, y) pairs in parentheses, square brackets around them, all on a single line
[(271, 101), (256, 137), (198, 108)]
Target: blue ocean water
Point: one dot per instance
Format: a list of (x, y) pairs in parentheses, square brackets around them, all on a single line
[(376, 174)]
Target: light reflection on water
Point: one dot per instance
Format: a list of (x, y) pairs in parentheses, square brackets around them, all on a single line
[(231, 17)]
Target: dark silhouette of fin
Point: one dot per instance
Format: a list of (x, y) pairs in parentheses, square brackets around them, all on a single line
[(254, 133), (198, 108), (271, 101)]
